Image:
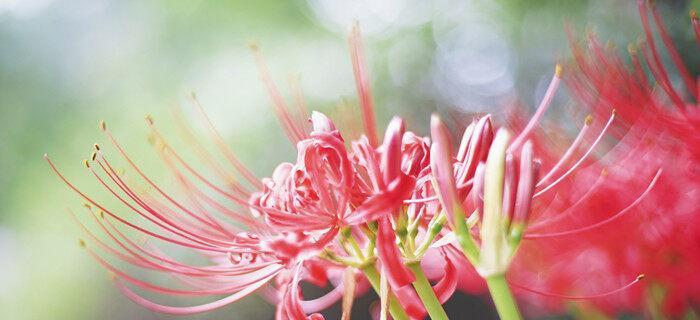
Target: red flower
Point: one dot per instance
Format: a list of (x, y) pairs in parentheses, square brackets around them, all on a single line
[(331, 207), (657, 126)]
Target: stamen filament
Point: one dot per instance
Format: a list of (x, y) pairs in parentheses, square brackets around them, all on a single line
[(579, 297), (580, 161), (541, 109), (364, 92), (604, 222), (223, 147)]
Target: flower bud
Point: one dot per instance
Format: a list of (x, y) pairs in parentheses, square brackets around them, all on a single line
[(529, 172), (495, 251)]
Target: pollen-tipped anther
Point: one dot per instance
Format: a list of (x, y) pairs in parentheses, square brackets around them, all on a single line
[(589, 120), (96, 146), (86, 163), (558, 70), (103, 125)]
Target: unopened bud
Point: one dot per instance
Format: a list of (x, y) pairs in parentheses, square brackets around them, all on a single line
[(495, 251)]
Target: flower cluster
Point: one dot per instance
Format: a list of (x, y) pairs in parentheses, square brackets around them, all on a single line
[(656, 99), (374, 213)]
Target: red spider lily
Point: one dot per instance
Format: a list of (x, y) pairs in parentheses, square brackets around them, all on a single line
[(494, 198), (301, 218), (329, 209), (657, 126), (381, 206)]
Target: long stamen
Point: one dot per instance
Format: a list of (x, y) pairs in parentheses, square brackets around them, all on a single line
[(421, 200), (696, 24), (138, 170), (141, 173), (195, 195), (166, 223), (204, 155), (541, 109), (113, 232), (196, 309), (563, 213), (655, 61), (673, 51), (223, 147), (364, 92), (135, 258), (151, 205), (581, 160), (244, 218), (569, 152), (604, 222), (290, 126), (574, 297), (190, 169), (666, 86), (302, 111), (638, 69), (111, 173), (122, 220), (235, 283)]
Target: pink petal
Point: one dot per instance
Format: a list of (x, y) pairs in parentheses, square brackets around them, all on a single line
[(389, 254), (447, 285), (383, 203), (321, 123), (529, 169), (441, 165), (391, 157)]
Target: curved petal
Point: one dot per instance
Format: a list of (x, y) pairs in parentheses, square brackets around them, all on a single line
[(397, 273), (441, 166), (391, 155), (381, 204), (447, 285)]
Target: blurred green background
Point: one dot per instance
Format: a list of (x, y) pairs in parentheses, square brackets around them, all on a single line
[(65, 65)]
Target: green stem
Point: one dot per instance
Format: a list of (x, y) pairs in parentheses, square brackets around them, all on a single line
[(434, 228), (426, 293), (503, 298), (464, 236), (466, 242), (395, 308)]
